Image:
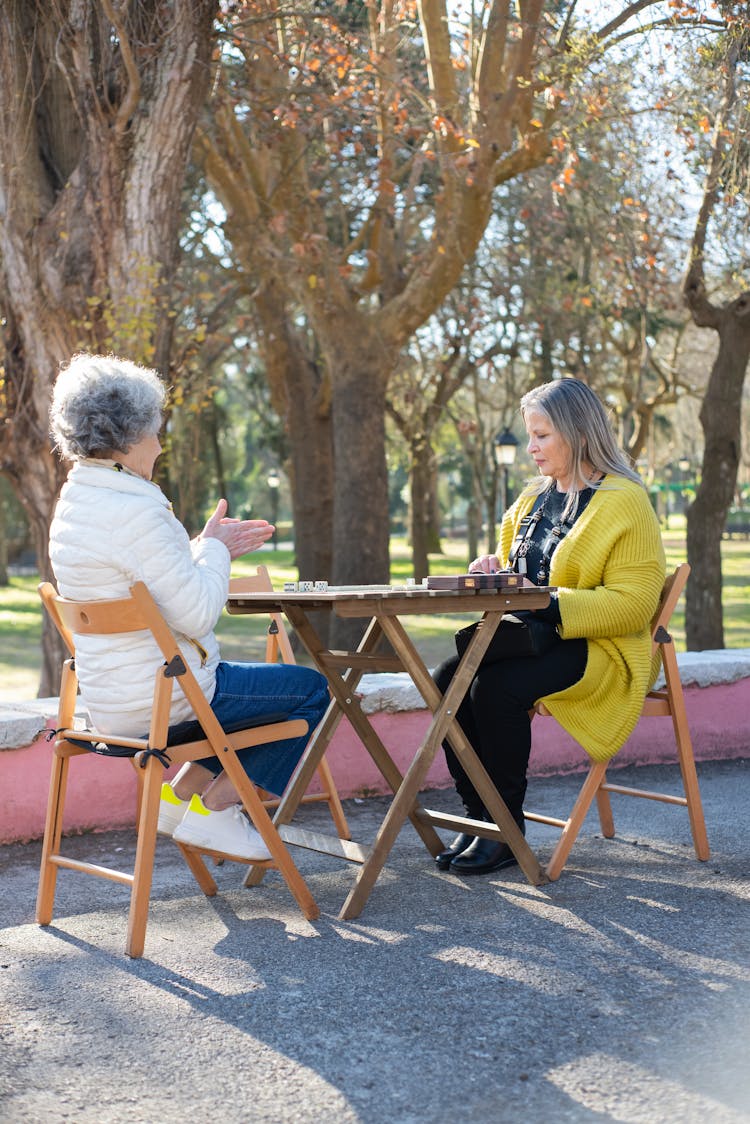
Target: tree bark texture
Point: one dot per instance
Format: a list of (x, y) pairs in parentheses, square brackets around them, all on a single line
[(97, 109), (720, 417), (360, 496), (721, 409), (301, 395), (421, 509)]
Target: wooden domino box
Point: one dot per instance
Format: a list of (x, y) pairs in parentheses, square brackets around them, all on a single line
[(503, 579)]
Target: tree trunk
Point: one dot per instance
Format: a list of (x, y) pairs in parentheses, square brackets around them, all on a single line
[(721, 419), (360, 501), (492, 515), (311, 475), (421, 507), (359, 373), (212, 424), (473, 521), (35, 476), (4, 576), (722, 403), (434, 515), (300, 395), (96, 123)]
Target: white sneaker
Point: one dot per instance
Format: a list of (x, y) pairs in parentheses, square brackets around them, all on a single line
[(227, 832), (171, 810)]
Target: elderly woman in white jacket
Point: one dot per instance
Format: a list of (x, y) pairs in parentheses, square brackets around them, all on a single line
[(113, 526)]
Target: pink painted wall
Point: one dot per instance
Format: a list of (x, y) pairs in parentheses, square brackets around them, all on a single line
[(718, 718), (102, 792)]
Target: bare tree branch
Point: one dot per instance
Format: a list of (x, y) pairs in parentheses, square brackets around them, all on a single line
[(133, 92), (705, 314)]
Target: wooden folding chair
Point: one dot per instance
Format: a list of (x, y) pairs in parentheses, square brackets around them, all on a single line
[(278, 646), (150, 755), (668, 701)]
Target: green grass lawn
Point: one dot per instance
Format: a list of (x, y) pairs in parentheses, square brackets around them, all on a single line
[(243, 638)]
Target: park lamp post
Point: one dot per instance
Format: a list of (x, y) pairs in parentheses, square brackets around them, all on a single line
[(454, 480), (684, 466), (273, 480), (505, 446)]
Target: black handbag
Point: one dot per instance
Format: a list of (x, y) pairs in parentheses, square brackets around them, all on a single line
[(518, 635)]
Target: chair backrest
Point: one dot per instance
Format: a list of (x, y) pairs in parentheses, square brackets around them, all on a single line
[(136, 613), (93, 618), (277, 637), (671, 593)]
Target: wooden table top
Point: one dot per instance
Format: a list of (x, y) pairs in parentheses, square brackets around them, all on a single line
[(381, 600)]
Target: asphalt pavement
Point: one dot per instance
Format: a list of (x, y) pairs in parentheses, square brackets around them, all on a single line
[(619, 993)]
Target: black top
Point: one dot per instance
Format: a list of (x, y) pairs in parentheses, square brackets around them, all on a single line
[(539, 537), (552, 502)]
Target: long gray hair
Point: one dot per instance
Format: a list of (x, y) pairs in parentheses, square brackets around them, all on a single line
[(102, 404), (582, 421)]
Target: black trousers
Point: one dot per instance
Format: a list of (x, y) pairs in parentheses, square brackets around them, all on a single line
[(495, 717)]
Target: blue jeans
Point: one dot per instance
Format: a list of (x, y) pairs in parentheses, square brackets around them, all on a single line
[(253, 690)]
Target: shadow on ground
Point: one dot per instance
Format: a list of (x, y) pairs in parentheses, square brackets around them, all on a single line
[(619, 993)]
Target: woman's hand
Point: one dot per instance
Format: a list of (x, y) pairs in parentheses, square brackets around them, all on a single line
[(485, 564), (240, 536)]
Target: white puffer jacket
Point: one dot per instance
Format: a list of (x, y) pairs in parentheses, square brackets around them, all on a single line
[(111, 529)]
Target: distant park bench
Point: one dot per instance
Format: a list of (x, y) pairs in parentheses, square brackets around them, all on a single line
[(737, 524)]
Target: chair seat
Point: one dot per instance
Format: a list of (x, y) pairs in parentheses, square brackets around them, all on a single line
[(182, 733), (655, 705)]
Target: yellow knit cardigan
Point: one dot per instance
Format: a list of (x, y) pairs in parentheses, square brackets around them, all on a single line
[(609, 571)]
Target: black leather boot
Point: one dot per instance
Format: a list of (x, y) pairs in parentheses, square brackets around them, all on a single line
[(457, 847), (484, 856), (462, 841)]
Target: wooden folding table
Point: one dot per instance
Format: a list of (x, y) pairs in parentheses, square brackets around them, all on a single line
[(384, 608)]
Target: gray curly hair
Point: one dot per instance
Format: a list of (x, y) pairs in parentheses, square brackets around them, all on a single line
[(102, 404)]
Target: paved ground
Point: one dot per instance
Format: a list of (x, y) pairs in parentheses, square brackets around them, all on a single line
[(620, 993)]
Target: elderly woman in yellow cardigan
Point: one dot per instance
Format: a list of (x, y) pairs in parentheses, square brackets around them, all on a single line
[(586, 527)]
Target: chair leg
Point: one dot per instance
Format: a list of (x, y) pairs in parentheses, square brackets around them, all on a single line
[(690, 784), (144, 858), (254, 876), (588, 791), (199, 870), (263, 823), (139, 793), (685, 753), (333, 800), (52, 835), (604, 807)]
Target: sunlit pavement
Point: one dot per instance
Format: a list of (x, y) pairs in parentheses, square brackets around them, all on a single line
[(619, 993)]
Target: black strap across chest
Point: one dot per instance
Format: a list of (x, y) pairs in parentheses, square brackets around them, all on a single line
[(541, 532)]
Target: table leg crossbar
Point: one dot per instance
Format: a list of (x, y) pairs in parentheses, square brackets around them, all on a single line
[(450, 822), (405, 788), (326, 844)]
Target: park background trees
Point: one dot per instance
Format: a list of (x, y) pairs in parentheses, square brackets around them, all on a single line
[(398, 216), (98, 103)]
